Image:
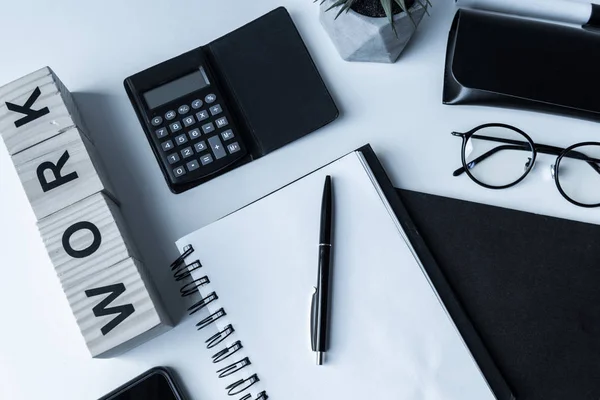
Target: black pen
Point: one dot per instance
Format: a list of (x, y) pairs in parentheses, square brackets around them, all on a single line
[(572, 12), (321, 297)]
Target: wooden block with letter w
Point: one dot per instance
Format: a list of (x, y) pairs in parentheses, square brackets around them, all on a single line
[(78, 215), (116, 309)]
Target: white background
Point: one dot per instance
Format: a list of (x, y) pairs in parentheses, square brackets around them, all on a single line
[(93, 46)]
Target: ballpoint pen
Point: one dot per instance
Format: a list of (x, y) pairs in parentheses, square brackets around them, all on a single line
[(585, 14), (321, 297)]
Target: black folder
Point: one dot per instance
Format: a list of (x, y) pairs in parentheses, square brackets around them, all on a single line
[(530, 286)]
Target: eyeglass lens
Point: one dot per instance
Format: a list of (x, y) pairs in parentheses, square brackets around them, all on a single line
[(498, 156), (579, 174)]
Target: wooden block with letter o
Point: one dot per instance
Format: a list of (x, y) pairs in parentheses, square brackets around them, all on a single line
[(60, 171), (117, 309), (86, 238), (35, 108)]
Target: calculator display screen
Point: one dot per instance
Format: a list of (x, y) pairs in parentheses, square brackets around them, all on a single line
[(176, 89)]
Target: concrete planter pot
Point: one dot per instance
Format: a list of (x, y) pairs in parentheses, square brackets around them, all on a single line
[(361, 38)]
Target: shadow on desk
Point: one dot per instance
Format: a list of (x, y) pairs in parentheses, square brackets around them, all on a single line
[(119, 148)]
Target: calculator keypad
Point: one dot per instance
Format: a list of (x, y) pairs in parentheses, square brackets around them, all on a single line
[(199, 142)]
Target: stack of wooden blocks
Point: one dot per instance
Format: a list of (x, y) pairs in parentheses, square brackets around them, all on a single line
[(112, 298)]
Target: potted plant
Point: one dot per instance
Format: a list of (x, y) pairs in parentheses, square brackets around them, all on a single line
[(372, 30)]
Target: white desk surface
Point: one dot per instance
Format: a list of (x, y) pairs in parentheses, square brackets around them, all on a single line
[(93, 46)]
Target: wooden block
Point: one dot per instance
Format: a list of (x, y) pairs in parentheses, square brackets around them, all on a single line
[(60, 171), (86, 238), (116, 309), (36, 108)]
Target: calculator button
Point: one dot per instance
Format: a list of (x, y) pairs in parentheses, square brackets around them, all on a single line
[(184, 109), (216, 109), (211, 98), (170, 115), (208, 128), (156, 121), (207, 159), (222, 122), (200, 146), (179, 171), (189, 121), (192, 165), (181, 139), (175, 126), (187, 152), (166, 146), (161, 133), (202, 115), (196, 104), (173, 158), (194, 133), (228, 134), (217, 147), (233, 147)]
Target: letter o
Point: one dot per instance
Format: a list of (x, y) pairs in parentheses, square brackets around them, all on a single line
[(91, 249)]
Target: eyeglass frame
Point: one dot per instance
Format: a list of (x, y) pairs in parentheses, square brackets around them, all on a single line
[(534, 148)]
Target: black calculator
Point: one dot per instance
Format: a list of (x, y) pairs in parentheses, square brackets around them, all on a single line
[(188, 122), (236, 99)]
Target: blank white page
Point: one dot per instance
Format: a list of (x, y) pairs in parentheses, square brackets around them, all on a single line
[(390, 336)]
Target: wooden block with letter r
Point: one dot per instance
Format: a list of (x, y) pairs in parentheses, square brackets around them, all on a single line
[(86, 238), (60, 171), (35, 108), (117, 309)]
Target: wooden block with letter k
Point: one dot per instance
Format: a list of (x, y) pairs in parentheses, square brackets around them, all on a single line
[(36, 108)]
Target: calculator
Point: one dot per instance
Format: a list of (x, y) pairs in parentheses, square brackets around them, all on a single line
[(231, 101), (188, 121)]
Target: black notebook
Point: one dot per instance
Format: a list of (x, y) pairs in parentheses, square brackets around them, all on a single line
[(529, 283)]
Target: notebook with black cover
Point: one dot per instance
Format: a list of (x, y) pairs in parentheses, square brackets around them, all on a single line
[(529, 284)]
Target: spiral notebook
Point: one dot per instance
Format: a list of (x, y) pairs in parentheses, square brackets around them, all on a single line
[(391, 335)]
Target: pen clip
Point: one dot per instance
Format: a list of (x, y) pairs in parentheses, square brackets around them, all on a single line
[(313, 322)]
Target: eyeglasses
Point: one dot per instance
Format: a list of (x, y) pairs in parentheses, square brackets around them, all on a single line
[(498, 156)]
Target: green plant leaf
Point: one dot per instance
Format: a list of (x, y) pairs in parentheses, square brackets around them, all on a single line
[(425, 4), (336, 4), (402, 4), (387, 7), (344, 5)]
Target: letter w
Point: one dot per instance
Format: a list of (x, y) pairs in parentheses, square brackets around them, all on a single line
[(102, 310)]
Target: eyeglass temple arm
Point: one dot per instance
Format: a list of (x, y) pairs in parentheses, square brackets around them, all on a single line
[(521, 145)]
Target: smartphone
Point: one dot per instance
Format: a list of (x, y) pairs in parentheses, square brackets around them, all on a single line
[(155, 384)]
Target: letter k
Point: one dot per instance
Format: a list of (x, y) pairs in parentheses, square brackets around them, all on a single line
[(30, 114)]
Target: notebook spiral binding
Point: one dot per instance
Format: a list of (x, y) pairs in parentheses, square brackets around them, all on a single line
[(181, 271)]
